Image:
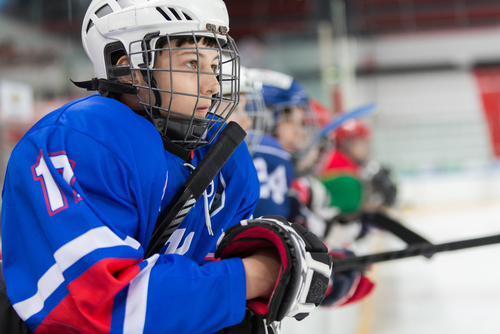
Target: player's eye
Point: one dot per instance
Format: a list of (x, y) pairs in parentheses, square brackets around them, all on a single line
[(192, 64), (215, 68)]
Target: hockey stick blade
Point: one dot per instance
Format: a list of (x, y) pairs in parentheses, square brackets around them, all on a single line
[(383, 221), (362, 262), (362, 111), (339, 120), (187, 195)]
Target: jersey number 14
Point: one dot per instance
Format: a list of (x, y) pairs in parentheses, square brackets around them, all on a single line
[(273, 185)]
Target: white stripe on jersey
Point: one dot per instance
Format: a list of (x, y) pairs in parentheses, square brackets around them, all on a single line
[(66, 256), (135, 309)]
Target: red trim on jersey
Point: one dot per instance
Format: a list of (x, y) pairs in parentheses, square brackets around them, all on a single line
[(89, 305)]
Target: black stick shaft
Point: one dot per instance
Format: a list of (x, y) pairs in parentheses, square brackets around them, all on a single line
[(362, 262), (171, 217)]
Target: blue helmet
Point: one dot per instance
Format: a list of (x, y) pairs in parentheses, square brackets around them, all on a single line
[(283, 96), (276, 96), (279, 89)]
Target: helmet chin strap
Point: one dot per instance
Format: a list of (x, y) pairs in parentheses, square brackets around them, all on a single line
[(183, 131), (104, 86)]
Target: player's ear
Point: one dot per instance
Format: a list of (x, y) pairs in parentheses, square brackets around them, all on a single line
[(128, 78)]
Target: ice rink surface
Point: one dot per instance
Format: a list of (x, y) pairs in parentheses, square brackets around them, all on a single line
[(455, 292)]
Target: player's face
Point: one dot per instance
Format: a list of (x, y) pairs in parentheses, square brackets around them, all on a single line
[(290, 129), (358, 149), (186, 82), (308, 161), (239, 114)]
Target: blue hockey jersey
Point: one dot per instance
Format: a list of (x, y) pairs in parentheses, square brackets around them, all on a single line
[(276, 173), (82, 193)]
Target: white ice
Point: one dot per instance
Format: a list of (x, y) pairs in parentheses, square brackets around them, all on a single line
[(455, 292)]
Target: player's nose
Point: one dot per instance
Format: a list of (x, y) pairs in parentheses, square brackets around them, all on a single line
[(209, 85)]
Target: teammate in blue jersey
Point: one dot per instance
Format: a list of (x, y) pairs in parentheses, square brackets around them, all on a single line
[(285, 164), (84, 187), (285, 99), (275, 170)]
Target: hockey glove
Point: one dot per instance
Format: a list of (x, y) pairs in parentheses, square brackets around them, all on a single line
[(305, 270), (346, 287)]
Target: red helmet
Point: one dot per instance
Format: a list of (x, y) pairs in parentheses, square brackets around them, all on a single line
[(352, 129)]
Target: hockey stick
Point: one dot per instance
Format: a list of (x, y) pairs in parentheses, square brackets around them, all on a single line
[(386, 223), (362, 262), (187, 195), (381, 220), (336, 123), (343, 117)]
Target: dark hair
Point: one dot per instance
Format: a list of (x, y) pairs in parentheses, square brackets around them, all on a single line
[(180, 41), (115, 51)]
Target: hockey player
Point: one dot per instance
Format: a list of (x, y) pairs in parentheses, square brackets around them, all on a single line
[(357, 183), (85, 185), (283, 167), (322, 216), (272, 157), (342, 173)]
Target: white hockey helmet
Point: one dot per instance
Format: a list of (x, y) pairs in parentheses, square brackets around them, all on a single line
[(127, 21), (113, 28), (255, 108)]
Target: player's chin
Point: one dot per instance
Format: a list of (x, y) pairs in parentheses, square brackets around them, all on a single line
[(293, 148), (202, 113)]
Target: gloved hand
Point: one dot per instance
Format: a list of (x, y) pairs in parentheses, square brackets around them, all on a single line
[(306, 266), (311, 205), (346, 287)]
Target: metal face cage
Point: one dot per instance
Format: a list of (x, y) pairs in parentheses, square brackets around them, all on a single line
[(256, 110), (179, 108)]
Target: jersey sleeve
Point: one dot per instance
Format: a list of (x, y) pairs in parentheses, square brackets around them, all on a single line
[(75, 219)]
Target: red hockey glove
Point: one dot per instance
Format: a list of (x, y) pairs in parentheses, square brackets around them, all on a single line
[(346, 287), (305, 271)]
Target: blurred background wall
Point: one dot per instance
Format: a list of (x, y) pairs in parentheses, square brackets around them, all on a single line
[(432, 66)]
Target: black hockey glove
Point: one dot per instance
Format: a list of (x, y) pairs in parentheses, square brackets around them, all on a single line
[(346, 287), (384, 185), (305, 271)]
